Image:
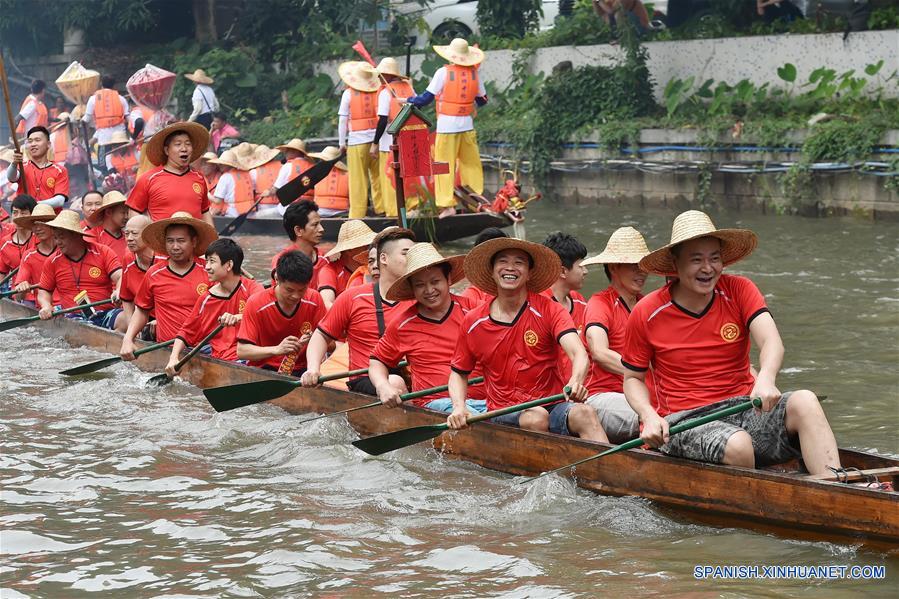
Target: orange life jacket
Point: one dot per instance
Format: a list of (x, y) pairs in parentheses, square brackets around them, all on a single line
[(459, 91), (108, 111), (402, 89), (146, 115), (298, 166), (333, 192), (265, 178), (363, 110), (43, 117), (60, 142), (358, 276), (124, 161), (243, 191), (212, 181)]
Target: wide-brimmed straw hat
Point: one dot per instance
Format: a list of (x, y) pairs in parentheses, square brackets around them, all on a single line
[(389, 66), (543, 273), (199, 139), (110, 199), (294, 144), (67, 220), (154, 233), (209, 156), (625, 246), (459, 52), (42, 213), (420, 257), (736, 244), (118, 137), (353, 234), (7, 155), (262, 154), (359, 75), (329, 153), (63, 116), (200, 76), (229, 158)]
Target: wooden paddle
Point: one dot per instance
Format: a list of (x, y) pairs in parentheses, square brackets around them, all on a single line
[(293, 189), (164, 379), (9, 275), (404, 397), (230, 397), (10, 115), (677, 428), (410, 436), (17, 322), (12, 292), (101, 364)]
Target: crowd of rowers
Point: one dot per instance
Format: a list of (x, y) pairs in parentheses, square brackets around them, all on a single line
[(632, 364)]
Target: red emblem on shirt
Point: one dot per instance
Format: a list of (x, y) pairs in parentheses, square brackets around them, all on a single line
[(306, 328), (197, 188), (531, 338), (51, 182), (241, 305), (95, 272), (730, 332), (201, 288)]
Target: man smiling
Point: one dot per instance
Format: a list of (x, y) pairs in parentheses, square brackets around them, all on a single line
[(46, 182)]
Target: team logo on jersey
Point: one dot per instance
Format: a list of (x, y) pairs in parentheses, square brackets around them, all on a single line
[(530, 338), (241, 305), (730, 332), (94, 272), (201, 288), (198, 189), (50, 181), (306, 181), (306, 328)]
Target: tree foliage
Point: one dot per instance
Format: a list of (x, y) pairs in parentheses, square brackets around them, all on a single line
[(509, 18)]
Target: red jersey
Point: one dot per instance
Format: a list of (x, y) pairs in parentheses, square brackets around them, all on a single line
[(171, 296), (30, 271), (204, 318), (265, 324), (6, 229), (132, 277), (353, 316), (578, 307), (429, 346), (91, 273), (320, 263), (334, 276), (519, 358), (117, 244), (609, 312), (44, 183), (696, 359), (12, 252), (476, 295), (161, 193)]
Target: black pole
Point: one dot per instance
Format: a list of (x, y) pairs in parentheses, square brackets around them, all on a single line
[(90, 164), (398, 181)]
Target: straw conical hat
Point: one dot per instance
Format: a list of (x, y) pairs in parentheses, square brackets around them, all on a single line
[(6, 155), (113, 198), (228, 158), (199, 139), (200, 76), (353, 234), (736, 244), (329, 153), (41, 213), (359, 75), (67, 220), (154, 233), (119, 137), (420, 257), (262, 154), (209, 156), (459, 52), (294, 144), (625, 246), (63, 116), (389, 66), (543, 273), (245, 153)]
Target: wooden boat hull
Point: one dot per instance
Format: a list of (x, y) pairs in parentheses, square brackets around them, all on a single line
[(768, 499), (441, 230)]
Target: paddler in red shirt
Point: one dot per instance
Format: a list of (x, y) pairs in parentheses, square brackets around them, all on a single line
[(518, 339), (566, 289), (33, 261), (90, 205), (362, 314), (45, 181), (304, 229), (21, 241), (141, 258), (426, 332), (173, 186), (278, 322), (171, 288), (353, 239), (695, 334), (223, 303), (113, 214), (471, 292), (605, 321)]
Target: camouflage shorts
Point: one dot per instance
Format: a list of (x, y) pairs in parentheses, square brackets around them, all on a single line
[(770, 441)]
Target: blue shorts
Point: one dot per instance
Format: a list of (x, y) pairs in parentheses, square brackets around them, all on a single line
[(105, 319), (558, 417), (445, 404)]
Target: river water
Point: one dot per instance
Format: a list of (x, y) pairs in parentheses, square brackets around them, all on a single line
[(109, 488)]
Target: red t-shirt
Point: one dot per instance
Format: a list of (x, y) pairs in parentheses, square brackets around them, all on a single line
[(428, 345), (91, 273), (320, 263), (6, 229), (204, 317), (11, 253), (334, 276), (609, 312), (264, 324), (44, 183), (132, 277), (578, 307), (161, 193), (353, 316), (520, 359), (117, 244), (476, 295), (30, 271), (171, 296), (696, 359)]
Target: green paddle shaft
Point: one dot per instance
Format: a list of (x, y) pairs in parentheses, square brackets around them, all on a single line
[(677, 428), (101, 364), (9, 275), (11, 324), (164, 379), (12, 292), (404, 397)]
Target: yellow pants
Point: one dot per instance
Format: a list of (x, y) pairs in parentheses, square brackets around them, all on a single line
[(461, 147), (363, 172), (388, 191)]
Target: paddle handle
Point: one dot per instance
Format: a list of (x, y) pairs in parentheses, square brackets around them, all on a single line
[(517, 407), (153, 347), (198, 347), (342, 375), (80, 307), (9, 275), (432, 390), (12, 292)]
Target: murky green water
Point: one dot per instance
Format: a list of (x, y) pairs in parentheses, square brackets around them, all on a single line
[(109, 488)]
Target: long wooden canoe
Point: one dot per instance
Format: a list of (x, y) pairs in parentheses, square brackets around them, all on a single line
[(440, 230), (781, 499)]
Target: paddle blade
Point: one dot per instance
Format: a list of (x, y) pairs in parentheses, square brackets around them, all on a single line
[(92, 367), (231, 397), (16, 322), (158, 381), (234, 225), (293, 189), (388, 442)]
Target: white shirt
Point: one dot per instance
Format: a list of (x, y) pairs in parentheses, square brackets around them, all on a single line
[(364, 136), (203, 100), (452, 124), (29, 112), (384, 110), (283, 175), (104, 134), (224, 192)]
